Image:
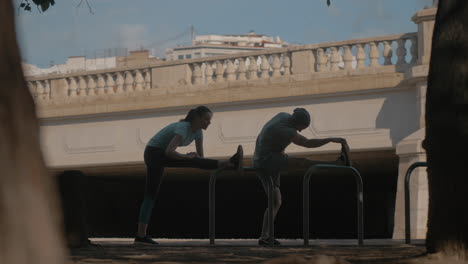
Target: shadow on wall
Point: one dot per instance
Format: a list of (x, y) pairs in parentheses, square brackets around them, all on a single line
[(400, 110)]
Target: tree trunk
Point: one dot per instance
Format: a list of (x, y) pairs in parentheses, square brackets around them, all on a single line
[(446, 140), (30, 225)]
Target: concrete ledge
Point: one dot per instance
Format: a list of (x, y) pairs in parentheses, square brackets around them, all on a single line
[(186, 96)]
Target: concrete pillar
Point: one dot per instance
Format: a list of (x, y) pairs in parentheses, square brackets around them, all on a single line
[(172, 75), (303, 62), (58, 89), (410, 151), (425, 20)]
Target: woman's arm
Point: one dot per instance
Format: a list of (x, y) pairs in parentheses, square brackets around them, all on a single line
[(199, 146), (171, 149)]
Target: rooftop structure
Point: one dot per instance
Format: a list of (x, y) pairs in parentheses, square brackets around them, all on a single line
[(212, 45), (76, 64)]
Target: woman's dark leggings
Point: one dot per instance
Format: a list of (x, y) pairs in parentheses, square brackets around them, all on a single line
[(155, 161)]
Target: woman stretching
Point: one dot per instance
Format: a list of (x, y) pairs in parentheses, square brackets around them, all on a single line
[(160, 152)]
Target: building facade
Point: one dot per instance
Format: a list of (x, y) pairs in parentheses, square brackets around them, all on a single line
[(214, 45)]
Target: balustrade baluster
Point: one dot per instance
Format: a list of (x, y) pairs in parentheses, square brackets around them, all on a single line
[(147, 79), (230, 70), (414, 50), (276, 66), (360, 56), (120, 82), (265, 67), (219, 71), (83, 86), (287, 64), (253, 68), (197, 74), (110, 84), (72, 87), (46, 89), (374, 54), (387, 53), (39, 90), (334, 59), (241, 70), (321, 60), (91, 86), (101, 84), (32, 88), (347, 58), (128, 82), (138, 80), (401, 52), (208, 72)]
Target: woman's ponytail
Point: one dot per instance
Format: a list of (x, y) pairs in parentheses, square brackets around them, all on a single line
[(193, 113)]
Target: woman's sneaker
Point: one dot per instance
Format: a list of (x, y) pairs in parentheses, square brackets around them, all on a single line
[(146, 240), (238, 158)]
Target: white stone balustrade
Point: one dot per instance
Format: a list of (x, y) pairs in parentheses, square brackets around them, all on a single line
[(40, 89), (92, 84), (239, 67), (399, 50)]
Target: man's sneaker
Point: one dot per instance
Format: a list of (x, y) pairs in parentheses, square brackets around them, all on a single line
[(266, 242), (146, 240), (238, 158)]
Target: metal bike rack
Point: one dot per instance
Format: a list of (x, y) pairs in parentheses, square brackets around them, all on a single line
[(407, 199), (212, 206), (305, 203)]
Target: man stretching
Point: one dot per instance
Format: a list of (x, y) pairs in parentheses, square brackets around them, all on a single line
[(269, 157)]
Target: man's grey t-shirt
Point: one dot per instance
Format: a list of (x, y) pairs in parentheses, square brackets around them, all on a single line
[(275, 136), (165, 135)]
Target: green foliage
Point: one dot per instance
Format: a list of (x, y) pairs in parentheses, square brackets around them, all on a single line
[(43, 4)]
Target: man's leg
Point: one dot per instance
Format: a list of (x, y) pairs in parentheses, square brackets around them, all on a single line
[(264, 176), (276, 206)]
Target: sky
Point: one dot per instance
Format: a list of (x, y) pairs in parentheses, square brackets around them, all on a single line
[(67, 29)]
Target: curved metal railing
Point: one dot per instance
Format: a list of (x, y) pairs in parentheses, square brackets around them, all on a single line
[(212, 205), (360, 202)]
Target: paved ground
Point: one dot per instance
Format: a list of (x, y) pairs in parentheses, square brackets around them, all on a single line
[(247, 251)]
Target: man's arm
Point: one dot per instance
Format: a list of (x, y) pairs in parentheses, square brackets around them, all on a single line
[(315, 143)]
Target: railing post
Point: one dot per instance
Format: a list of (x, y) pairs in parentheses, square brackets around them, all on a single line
[(407, 199), (305, 205), (425, 20), (360, 205), (212, 205), (302, 62)]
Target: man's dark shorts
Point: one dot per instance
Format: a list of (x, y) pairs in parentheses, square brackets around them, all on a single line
[(271, 166)]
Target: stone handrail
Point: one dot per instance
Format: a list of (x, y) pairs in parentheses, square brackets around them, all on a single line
[(111, 81), (313, 58), (323, 57)]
